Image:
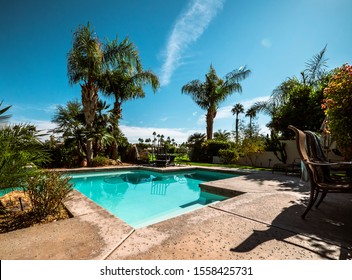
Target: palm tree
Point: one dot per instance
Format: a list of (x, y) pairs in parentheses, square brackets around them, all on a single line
[(315, 70), (251, 113), (123, 77), (236, 110), (209, 94), (196, 138), (70, 123), (84, 66), (126, 81), (222, 135)]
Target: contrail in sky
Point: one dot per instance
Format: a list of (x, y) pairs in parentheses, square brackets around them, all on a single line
[(188, 28)]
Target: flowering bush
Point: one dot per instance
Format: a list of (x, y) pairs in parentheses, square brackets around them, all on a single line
[(337, 105)]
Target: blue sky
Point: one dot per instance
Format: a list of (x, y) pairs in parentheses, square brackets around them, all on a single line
[(178, 40)]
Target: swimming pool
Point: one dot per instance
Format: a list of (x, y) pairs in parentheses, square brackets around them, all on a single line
[(142, 197)]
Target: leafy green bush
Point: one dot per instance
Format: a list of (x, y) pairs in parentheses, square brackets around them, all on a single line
[(228, 155), (100, 161), (46, 191), (214, 146)]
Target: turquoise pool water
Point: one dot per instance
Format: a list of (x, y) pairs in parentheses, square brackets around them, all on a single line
[(141, 197)]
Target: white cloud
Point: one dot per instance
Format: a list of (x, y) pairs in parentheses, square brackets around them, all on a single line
[(188, 28), (266, 43)]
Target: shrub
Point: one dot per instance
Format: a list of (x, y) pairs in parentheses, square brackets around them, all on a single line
[(228, 155), (337, 105), (21, 153), (214, 146), (46, 191), (100, 161)]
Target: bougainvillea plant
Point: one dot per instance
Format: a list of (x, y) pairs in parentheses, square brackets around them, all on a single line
[(337, 105)]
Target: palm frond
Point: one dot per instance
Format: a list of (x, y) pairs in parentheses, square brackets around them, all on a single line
[(316, 66), (2, 111)]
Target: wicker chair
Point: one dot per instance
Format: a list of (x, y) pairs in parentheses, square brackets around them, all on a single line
[(318, 169)]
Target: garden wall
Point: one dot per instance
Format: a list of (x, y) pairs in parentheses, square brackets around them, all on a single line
[(268, 159)]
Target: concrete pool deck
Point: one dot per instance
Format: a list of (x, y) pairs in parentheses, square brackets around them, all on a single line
[(262, 222)]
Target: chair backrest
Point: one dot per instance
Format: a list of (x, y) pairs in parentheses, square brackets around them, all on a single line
[(300, 143), (316, 153), (301, 148), (315, 173)]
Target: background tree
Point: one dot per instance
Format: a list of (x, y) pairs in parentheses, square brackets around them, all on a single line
[(70, 123), (210, 93), (194, 143), (296, 101), (124, 78), (251, 113), (236, 110), (84, 64), (337, 105)]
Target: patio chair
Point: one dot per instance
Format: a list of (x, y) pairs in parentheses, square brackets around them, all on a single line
[(318, 169), (316, 153)]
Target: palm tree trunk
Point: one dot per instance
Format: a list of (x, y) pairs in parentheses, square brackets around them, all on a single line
[(236, 129), (117, 112), (210, 116), (114, 154), (89, 102)]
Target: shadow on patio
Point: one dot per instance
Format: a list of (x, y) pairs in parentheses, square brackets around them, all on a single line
[(331, 223)]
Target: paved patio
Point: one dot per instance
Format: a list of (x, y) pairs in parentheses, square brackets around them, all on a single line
[(261, 222)]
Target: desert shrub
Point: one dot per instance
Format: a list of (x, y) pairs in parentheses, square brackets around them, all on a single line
[(46, 191), (100, 161), (228, 155)]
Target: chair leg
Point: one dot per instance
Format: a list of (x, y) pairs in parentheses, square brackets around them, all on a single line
[(321, 198), (313, 197)]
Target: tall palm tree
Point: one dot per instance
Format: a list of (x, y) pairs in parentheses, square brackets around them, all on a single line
[(251, 113), (236, 110), (210, 93), (123, 78), (84, 66)]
